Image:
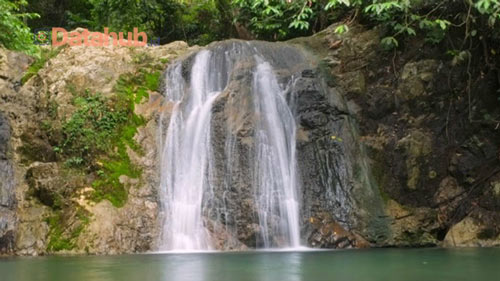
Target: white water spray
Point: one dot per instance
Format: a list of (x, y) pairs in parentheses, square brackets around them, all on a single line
[(187, 160)]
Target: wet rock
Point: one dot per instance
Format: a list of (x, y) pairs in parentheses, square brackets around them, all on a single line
[(336, 179), (329, 234), (380, 102), (447, 199), (308, 73), (7, 191), (46, 183), (416, 146), (472, 158), (417, 78), (6, 173), (353, 82), (36, 147), (6, 240), (411, 227), (491, 198), (448, 190), (472, 232)]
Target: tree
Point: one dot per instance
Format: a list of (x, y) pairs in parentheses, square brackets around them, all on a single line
[(14, 33)]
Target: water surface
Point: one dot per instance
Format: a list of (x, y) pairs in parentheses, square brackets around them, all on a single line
[(355, 265)]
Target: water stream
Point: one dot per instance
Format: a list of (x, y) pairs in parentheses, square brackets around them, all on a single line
[(190, 179)]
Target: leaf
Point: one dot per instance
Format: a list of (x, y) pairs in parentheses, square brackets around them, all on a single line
[(341, 29), (443, 23), (389, 42)]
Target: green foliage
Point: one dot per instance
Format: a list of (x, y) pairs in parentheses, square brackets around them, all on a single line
[(197, 22), (124, 15), (201, 23), (60, 13), (45, 55), (101, 130), (89, 129), (274, 19), (130, 90), (96, 131), (491, 8), (14, 34), (404, 20), (341, 29), (59, 236), (281, 19)]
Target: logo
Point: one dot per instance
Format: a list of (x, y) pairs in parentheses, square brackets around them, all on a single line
[(42, 36), (58, 36)]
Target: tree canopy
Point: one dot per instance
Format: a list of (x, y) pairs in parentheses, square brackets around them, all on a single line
[(204, 21)]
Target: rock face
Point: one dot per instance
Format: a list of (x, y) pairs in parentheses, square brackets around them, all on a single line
[(7, 192), (46, 207), (471, 233), (436, 170), (12, 66)]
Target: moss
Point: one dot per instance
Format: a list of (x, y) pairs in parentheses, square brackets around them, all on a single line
[(62, 238), (96, 138), (131, 89), (108, 186), (56, 240), (46, 55)]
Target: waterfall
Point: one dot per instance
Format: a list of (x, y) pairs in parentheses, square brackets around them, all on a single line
[(275, 177), (186, 158), (193, 188)]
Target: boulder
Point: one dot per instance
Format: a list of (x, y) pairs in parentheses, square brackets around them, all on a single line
[(46, 183), (472, 232), (327, 233), (411, 227), (417, 79)]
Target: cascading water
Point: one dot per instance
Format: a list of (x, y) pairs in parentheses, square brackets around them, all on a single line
[(194, 189), (186, 158), (275, 162)]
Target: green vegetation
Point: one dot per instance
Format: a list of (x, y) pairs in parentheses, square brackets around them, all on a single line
[(62, 238), (203, 21), (118, 163), (14, 33), (198, 22), (280, 19), (96, 137), (45, 55)]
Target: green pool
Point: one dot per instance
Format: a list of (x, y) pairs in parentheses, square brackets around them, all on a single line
[(349, 265)]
